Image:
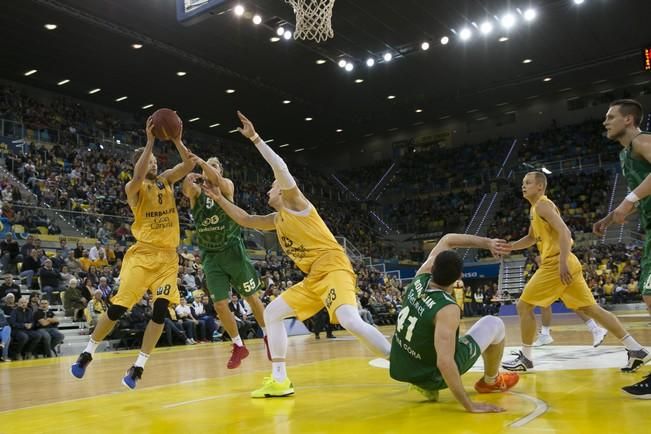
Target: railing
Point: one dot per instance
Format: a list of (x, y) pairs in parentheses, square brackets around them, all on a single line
[(570, 164)]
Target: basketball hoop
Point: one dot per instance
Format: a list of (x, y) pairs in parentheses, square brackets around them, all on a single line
[(313, 19)]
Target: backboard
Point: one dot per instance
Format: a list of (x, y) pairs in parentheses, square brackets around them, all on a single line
[(189, 12)]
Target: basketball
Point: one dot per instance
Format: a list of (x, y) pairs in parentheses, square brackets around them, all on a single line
[(167, 124)]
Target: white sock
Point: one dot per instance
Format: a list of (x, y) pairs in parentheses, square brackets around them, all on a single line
[(278, 371), (490, 380), (237, 340), (592, 325), (527, 350), (545, 330), (141, 360), (630, 343), (91, 347)]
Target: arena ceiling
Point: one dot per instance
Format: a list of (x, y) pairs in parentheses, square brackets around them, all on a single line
[(594, 42)]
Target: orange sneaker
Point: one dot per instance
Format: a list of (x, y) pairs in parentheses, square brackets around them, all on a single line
[(238, 354), (505, 381)]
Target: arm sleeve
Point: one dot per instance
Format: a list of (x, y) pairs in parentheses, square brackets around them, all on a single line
[(281, 171)]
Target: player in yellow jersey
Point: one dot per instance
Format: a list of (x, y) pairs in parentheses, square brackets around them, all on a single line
[(560, 276), (305, 238), (152, 262)]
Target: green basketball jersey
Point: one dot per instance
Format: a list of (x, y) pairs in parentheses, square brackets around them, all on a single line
[(215, 230), (635, 170), (413, 356)]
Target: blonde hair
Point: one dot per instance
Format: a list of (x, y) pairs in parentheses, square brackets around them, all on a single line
[(540, 178), (214, 160)]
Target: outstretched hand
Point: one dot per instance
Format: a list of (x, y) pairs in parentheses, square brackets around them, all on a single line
[(499, 247), (247, 129), (212, 191), (149, 129)]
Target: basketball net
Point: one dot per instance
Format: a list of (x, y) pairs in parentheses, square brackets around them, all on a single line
[(313, 19)]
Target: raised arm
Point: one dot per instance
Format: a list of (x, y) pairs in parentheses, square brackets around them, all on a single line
[(215, 177), (141, 167), (241, 217), (454, 241), (524, 242), (177, 172), (190, 188), (292, 196), (547, 212)]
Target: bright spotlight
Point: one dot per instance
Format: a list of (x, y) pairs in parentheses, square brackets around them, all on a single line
[(530, 14), (342, 63), (239, 10), (257, 19), (280, 31), (287, 35), (486, 27), (349, 66), (578, 2), (445, 40), (465, 34), (508, 21), (387, 57), (424, 46), (370, 62)]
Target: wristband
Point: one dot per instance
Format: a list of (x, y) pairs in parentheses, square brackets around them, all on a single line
[(255, 138), (632, 197)]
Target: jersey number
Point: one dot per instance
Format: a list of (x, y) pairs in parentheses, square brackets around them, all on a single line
[(209, 203), (164, 290), (249, 286), (404, 316), (160, 198)]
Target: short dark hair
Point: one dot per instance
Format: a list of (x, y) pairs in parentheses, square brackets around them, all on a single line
[(630, 107), (447, 268)]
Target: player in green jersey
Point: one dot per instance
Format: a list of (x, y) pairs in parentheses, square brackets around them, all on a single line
[(427, 351), (622, 124), (223, 255)]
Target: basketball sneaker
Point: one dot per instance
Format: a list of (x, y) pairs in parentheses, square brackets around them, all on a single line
[(520, 363), (131, 378), (641, 390), (598, 336), (266, 347), (430, 395), (543, 340), (636, 359), (505, 381), (78, 369), (273, 389), (237, 355)]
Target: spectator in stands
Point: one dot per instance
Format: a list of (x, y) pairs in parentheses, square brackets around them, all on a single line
[(84, 261), (9, 287), (8, 304), (621, 293), (101, 260), (184, 315), (66, 276), (64, 250), (5, 338), (31, 266), (206, 321), (96, 306), (88, 289), (47, 324), (73, 302), (50, 279), (364, 313), (105, 288), (189, 280), (242, 317), (79, 250), (172, 327), (93, 254), (321, 321), (9, 253), (27, 247), (22, 330), (140, 314)]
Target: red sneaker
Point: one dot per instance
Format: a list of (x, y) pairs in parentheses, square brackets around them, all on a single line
[(238, 354), (505, 381), (266, 347)]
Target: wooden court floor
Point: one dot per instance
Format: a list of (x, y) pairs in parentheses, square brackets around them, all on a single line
[(189, 389)]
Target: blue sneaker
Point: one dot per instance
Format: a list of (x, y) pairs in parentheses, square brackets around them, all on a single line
[(133, 375), (78, 369)]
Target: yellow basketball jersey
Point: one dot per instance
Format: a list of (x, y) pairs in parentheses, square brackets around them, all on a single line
[(305, 238), (546, 236), (156, 219)]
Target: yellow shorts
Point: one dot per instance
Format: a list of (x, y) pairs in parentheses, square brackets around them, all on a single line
[(545, 286), (330, 283), (146, 268)]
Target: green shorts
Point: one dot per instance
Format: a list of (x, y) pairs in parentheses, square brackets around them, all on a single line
[(465, 355), (645, 268), (228, 268)]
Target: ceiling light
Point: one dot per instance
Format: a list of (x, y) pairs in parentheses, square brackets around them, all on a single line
[(257, 19), (424, 46), (578, 2), (31, 72), (530, 14), (508, 21), (391, 97), (370, 62), (233, 131), (284, 145), (349, 66), (230, 90), (545, 170), (320, 61), (274, 39), (359, 80), (136, 46), (465, 34), (286, 101), (287, 35), (547, 79), (239, 10), (270, 140), (214, 125), (181, 73), (299, 149), (527, 61), (503, 39), (280, 31), (97, 89), (62, 82), (445, 40), (339, 130), (50, 26), (342, 63), (193, 119), (145, 107), (387, 57), (308, 119), (419, 110), (122, 98), (486, 27)]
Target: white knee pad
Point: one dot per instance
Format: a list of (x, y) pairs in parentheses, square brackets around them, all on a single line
[(489, 330)]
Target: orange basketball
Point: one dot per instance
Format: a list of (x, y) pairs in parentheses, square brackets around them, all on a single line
[(167, 124)]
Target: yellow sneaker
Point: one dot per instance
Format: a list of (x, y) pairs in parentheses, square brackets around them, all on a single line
[(431, 395), (273, 389)]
